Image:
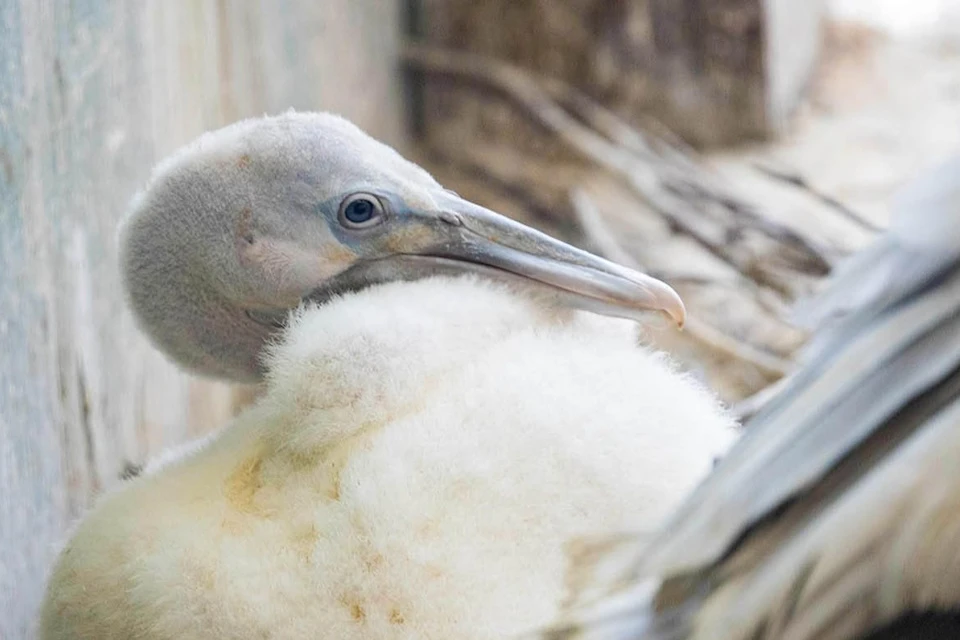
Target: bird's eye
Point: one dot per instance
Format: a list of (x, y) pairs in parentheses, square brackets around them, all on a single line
[(361, 210)]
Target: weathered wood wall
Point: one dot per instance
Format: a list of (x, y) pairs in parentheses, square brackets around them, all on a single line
[(713, 71), (792, 50), (92, 94)]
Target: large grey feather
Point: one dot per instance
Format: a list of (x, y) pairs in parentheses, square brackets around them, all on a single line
[(923, 239), (880, 368), (828, 409)]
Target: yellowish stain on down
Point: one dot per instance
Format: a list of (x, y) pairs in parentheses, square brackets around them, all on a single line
[(359, 613), (356, 610), (240, 490), (241, 486), (321, 468), (304, 541), (331, 461)]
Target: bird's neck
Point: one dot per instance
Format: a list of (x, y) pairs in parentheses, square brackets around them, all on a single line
[(368, 358)]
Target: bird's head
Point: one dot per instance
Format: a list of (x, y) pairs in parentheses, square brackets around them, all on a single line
[(238, 228)]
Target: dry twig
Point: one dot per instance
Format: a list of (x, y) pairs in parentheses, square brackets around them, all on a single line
[(605, 243), (800, 183), (597, 233)]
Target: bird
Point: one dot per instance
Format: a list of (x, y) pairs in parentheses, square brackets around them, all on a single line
[(448, 398), (837, 515)]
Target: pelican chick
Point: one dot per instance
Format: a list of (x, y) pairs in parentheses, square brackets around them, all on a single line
[(425, 446)]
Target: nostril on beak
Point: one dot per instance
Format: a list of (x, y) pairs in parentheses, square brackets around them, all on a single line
[(451, 218)]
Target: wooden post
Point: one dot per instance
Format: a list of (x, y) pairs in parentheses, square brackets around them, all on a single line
[(713, 71), (92, 94)]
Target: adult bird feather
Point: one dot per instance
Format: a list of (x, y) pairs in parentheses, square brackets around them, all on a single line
[(837, 512)]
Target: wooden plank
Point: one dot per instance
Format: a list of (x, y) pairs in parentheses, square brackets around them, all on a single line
[(92, 94), (713, 71), (792, 48)]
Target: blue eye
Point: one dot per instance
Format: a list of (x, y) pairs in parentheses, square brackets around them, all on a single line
[(360, 210)]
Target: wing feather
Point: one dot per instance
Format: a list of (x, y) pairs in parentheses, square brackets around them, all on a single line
[(837, 510)]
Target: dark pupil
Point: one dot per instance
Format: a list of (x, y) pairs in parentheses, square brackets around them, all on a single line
[(359, 211)]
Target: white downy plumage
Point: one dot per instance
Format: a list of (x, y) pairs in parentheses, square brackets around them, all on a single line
[(422, 455)]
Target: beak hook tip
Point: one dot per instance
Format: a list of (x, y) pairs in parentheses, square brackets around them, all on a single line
[(672, 304)]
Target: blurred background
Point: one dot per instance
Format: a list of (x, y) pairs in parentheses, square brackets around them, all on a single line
[(737, 149)]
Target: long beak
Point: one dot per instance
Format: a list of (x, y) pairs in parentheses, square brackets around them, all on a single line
[(473, 235)]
